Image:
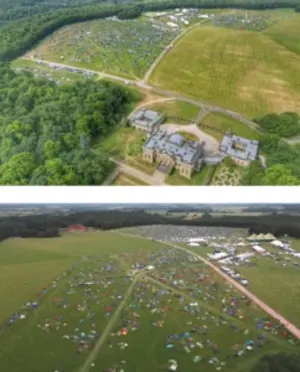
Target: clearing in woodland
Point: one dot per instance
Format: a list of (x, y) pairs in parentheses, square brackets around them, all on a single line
[(245, 71)]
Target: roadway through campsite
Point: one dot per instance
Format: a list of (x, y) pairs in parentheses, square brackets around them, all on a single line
[(109, 300), (86, 366), (291, 327)]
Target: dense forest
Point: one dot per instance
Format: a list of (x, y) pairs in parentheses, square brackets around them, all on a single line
[(46, 130), (50, 225), (24, 23)]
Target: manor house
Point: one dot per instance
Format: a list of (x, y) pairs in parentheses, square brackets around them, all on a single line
[(240, 149), (173, 151), (146, 120)]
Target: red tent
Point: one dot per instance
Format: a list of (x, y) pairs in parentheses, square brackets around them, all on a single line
[(76, 228)]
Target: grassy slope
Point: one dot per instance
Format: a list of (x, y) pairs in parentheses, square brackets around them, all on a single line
[(175, 108), (286, 32), (23, 336), (223, 122), (26, 265), (241, 70), (278, 286)]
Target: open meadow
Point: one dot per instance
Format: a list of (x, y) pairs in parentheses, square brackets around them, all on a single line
[(245, 71), (216, 124), (125, 48), (114, 297)]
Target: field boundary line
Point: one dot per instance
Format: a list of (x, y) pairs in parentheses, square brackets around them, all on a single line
[(167, 49)]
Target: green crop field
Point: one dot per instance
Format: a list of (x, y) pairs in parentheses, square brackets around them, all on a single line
[(224, 123), (245, 71), (93, 303), (125, 48)]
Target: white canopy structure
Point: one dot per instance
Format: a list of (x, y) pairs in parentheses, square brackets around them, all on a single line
[(261, 237), (217, 256), (258, 249), (194, 244), (277, 243)]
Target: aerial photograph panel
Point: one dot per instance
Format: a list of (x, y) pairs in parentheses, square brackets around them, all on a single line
[(150, 287), (150, 94)]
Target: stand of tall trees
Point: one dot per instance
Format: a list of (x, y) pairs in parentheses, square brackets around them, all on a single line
[(46, 130)]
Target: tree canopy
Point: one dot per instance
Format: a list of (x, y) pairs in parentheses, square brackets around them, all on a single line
[(283, 164), (284, 125), (281, 362), (46, 130)]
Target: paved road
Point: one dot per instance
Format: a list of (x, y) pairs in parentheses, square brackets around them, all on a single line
[(211, 145), (266, 308), (153, 180)]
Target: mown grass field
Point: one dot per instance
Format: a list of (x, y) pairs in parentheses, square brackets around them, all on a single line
[(278, 286), (286, 32), (198, 178), (26, 265), (125, 48), (224, 123), (176, 109), (88, 304), (242, 70)]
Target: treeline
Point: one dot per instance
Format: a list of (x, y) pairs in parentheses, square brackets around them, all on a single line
[(282, 159), (47, 130), (50, 225), (18, 36)]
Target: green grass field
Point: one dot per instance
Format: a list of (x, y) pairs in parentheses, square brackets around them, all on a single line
[(85, 303), (286, 32), (199, 178), (242, 70), (224, 123), (121, 141), (125, 48), (176, 109), (23, 261), (278, 286)]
